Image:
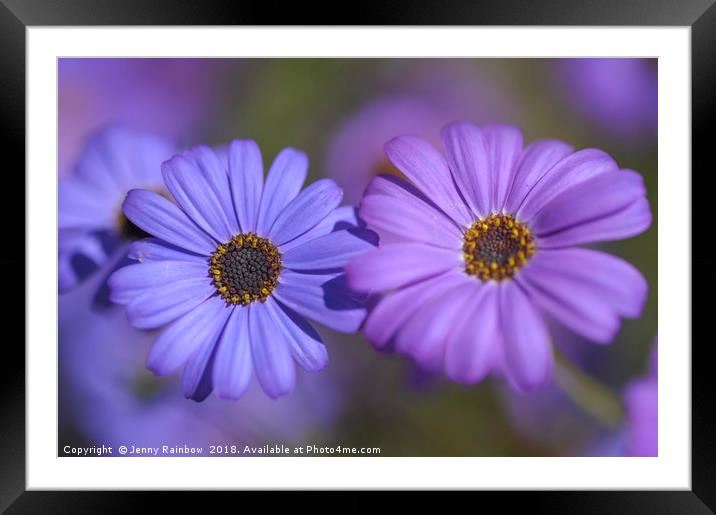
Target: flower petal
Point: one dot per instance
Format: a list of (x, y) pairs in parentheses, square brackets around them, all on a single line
[(232, 365), (283, 182), (597, 198), (323, 298), (537, 159), (568, 172), (186, 182), (586, 290), (424, 335), (306, 210), (420, 162), (528, 352), (131, 281), (467, 153), (246, 176), (81, 206), (159, 217), (197, 379), (409, 221), (344, 217), (331, 251), (471, 345), (504, 146), (184, 336), (167, 302), (396, 308), (270, 352), (214, 169), (399, 264), (149, 250), (306, 345), (630, 221)]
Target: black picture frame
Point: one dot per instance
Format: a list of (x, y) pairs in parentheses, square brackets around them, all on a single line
[(17, 15)]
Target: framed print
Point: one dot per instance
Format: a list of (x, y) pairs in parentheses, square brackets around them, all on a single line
[(399, 256)]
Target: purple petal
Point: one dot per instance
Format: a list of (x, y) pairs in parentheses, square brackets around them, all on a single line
[(159, 217), (396, 265), (196, 197), (528, 351), (232, 365), (612, 281), (568, 172), (467, 153), (184, 336), (420, 162), (284, 181), (330, 251), (306, 210), (246, 175), (395, 309), (270, 351), (131, 281), (642, 404), (196, 381), (167, 302), (594, 199), (214, 169), (344, 217), (305, 343), (470, 348), (409, 221), (424, 335), (323, 298), (81, 206), (504, 146), (149, 250), (537, 159)]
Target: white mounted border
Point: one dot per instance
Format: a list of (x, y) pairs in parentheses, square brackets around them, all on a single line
[(672, 469)]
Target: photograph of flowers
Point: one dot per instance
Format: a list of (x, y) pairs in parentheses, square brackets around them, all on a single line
[(357, 257)]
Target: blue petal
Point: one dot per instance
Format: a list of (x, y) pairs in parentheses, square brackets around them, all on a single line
[(184, 336), (150, 250), (283, 183), (324, 298), (159, 217), (344, 217), (330, 251), (246, 174), (305, 211), (270, 351), (232, 366), (196, 196), (306, 345), (134, 280), (167, 302)]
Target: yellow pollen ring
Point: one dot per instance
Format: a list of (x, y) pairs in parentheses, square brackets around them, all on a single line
[(495, 247)]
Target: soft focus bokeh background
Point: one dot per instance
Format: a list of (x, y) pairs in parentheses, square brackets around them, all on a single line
[(341, 111)]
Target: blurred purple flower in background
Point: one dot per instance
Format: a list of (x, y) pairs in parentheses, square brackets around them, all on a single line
[(108, 394), (90, 220), (171, 97), (620, 95), (427, 98), (236, 267), (642, 406), (479, 247)]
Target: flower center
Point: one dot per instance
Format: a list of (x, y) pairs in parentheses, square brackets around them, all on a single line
[(496, 247), (245, 269)]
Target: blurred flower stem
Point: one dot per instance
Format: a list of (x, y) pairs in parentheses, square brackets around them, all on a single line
[(600, 402)]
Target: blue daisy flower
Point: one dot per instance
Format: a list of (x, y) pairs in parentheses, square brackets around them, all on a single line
[(91, 224), (237, 265)]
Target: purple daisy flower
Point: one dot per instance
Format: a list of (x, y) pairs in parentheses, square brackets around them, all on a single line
[(90, 220), (480, 247), (620, 94), (642, 406), (236, 265)]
